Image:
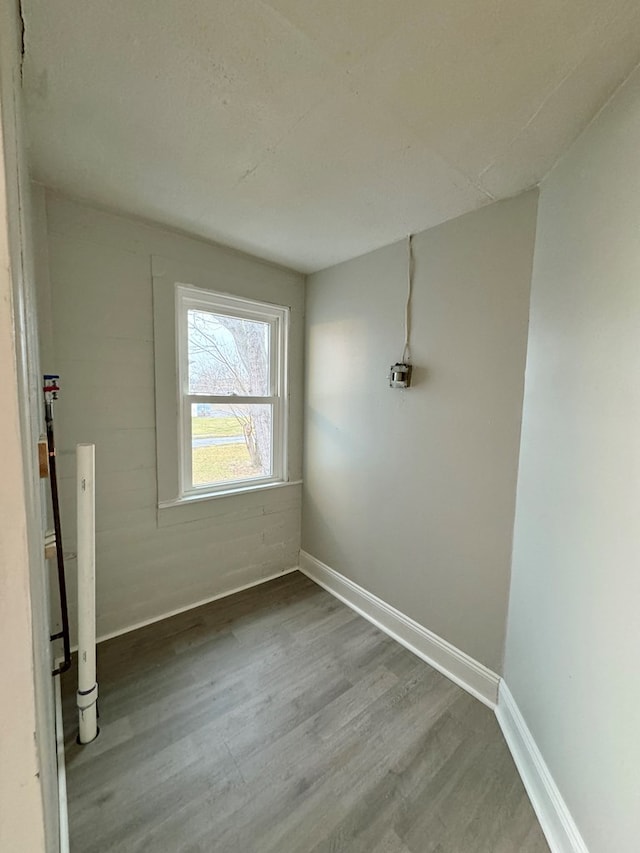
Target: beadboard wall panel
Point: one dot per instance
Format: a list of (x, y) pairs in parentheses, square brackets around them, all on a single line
[(151, 561)]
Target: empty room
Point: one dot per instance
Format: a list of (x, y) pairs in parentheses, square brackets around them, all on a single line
[(319, 326)]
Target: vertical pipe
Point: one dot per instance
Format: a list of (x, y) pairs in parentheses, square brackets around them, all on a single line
[(87, 695), (51, 389)]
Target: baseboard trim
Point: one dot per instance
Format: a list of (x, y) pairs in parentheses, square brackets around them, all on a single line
[(560, 829), (143, 624), (112, 634), (556, 821), (456, 665)]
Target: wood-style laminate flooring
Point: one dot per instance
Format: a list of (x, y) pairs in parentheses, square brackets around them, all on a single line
[(279, 721)]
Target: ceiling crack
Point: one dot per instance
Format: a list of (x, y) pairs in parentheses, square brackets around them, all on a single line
[(540, 107), (248, 172), (22, 37), (271, 149)]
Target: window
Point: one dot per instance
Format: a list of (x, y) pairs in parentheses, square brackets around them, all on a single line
[(232, 392)]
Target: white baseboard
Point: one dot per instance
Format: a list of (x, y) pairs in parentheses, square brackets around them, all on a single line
[(466, 672), (134, 627), (111, 634), (556, 821)]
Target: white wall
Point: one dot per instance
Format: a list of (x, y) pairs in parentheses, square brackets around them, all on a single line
[(411, 493), (28, 777), (21, 816), (103, 347), (574, 619)]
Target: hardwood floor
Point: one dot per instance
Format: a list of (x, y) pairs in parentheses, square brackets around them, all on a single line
[(279, 721)]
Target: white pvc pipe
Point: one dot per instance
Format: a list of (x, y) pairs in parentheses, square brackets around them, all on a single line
[(87, 695)]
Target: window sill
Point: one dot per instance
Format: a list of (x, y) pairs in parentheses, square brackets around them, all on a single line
[(226, 493)]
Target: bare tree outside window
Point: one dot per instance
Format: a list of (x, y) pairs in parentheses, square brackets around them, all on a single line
[(232, 392), (229, 356)]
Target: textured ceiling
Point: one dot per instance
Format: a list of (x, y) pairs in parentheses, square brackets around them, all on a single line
[(311, 131)]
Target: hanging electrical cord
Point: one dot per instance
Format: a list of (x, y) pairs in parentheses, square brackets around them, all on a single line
[(400, 376), (406, 351)]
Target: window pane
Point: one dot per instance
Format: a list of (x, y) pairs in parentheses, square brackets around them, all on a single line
[(227, 355), (230, 442)]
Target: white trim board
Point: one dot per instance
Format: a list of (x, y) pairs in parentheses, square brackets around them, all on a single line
[(456, 665), (556, 821), (143, 624), (178, 610)]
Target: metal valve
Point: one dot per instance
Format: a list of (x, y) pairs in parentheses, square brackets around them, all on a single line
[(51, 387)]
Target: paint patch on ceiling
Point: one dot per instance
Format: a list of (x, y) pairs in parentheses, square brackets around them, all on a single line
[(307, 133)]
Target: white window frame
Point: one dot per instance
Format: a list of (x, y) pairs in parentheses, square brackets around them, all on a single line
[(188, 298)]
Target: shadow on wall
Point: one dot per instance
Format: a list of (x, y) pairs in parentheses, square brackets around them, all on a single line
[(420, 376)]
